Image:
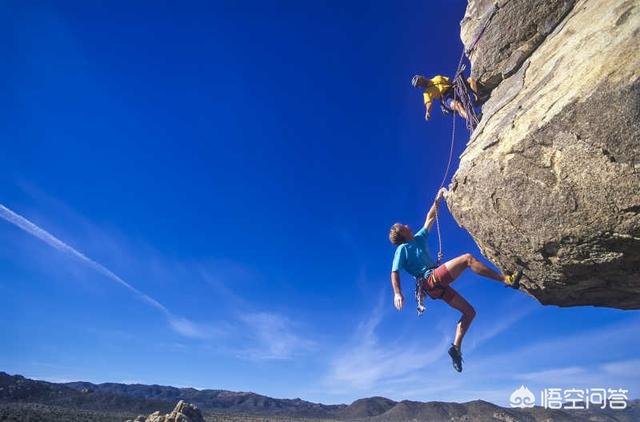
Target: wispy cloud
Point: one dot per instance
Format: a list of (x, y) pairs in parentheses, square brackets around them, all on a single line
[(366, 364), (615, 374), (627, 368), (574, 360), (419, 369), (273, 337), (504, 318), (192, 329), (553, 374), (258, 335), (181, 325), (591, 344), (495, 383)]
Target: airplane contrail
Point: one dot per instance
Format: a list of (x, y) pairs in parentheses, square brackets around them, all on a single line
[(181, 325)]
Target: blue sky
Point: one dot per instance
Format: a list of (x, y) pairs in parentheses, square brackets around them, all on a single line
[(202, 193)]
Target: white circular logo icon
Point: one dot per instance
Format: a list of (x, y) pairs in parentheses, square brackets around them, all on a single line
[(522, 397)]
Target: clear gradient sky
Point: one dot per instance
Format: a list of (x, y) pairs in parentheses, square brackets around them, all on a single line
[(215, 182)]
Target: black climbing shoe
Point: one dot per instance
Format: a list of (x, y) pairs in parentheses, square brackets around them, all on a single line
[(456, 357), (513, 280)]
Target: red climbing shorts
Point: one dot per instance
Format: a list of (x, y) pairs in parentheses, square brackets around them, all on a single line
[(437, 284)]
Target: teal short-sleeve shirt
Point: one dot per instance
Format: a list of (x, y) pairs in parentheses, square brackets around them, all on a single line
[(414, 256)]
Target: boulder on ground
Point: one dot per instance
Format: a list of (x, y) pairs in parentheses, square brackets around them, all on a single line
[(183, 412)]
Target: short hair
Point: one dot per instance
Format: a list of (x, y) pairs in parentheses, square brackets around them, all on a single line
[(395, 234)]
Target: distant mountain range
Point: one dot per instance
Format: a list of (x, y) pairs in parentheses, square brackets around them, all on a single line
[(133, 399)]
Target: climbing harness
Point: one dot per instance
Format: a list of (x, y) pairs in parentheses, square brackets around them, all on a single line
[(461, 93), (420, 294), (423, 289)]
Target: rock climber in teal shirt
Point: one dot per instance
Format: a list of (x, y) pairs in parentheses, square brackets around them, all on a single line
[(412, 254)]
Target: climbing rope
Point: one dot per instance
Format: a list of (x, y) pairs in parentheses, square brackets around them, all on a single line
[(440, 253), (460, 91)]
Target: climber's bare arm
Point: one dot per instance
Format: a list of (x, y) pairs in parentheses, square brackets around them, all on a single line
[(431, 215), (427, 115), (398, 299)]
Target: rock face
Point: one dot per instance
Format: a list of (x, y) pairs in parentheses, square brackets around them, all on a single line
[(516, 28), (183, 412), (550, 179)]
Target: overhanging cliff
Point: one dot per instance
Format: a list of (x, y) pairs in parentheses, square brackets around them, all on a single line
[(550, 179)]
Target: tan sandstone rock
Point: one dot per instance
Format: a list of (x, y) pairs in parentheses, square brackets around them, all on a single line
[(550, 179)]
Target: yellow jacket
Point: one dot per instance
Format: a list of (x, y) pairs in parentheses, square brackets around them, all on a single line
[(436, 88)]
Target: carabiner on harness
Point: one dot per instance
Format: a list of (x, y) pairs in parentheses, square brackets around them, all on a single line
[(420, 295)]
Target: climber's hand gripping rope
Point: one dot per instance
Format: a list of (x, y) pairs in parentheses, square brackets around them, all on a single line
[(439, 197)]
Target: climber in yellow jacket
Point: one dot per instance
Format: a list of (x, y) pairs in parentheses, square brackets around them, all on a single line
[(440, 88)]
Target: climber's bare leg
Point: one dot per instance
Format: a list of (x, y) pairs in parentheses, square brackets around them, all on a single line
[(468, 313), (457, 265), (478, 90), (457, 106), (473, 84)]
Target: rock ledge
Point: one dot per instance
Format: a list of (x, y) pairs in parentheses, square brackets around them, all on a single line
[(550, 179)]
